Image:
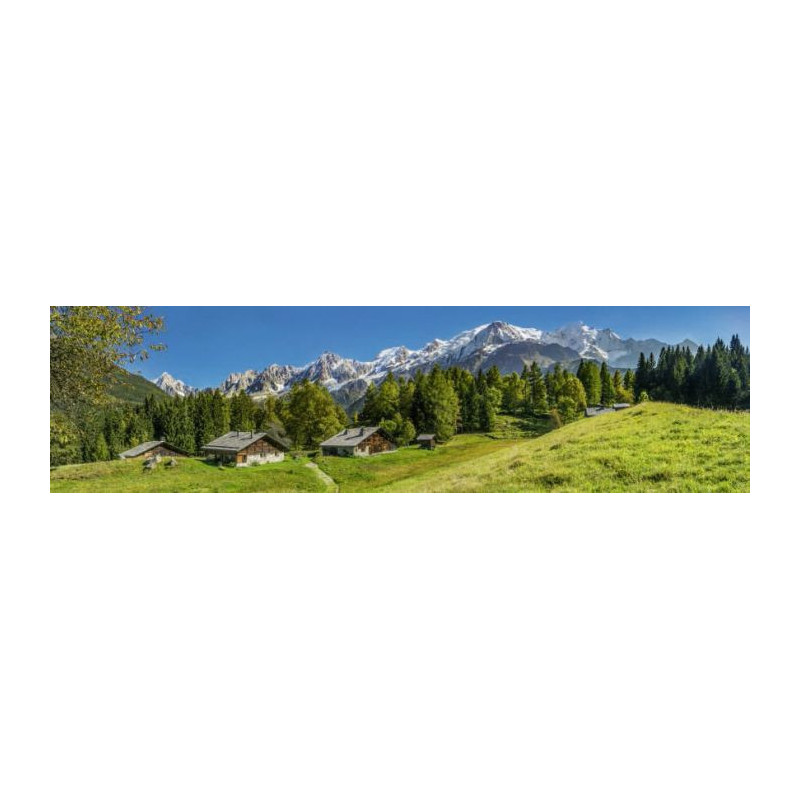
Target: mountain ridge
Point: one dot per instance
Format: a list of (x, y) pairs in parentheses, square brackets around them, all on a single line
[(509, 347)]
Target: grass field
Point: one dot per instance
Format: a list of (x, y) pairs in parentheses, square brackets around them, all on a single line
[(656, 447), (382, 473), (191, 475)]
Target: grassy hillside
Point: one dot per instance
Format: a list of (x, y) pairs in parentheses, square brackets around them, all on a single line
[(191, 475), (656, 447)]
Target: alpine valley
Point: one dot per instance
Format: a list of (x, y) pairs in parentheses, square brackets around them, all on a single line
[(507, 346)]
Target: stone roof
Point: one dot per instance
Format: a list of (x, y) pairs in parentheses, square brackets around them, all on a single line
[(235, 441), (594, 411), (425, 437), (144, 447)]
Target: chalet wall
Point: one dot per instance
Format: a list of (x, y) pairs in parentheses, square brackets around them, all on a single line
[(260, 452), (377, 443)]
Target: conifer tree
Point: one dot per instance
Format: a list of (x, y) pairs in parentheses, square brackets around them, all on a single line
[(607, 393), (438, 405), (220, 414), (537, 392), (589, 376), (370, 411)]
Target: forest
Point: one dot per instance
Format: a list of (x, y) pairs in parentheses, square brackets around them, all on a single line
[(443, 402)]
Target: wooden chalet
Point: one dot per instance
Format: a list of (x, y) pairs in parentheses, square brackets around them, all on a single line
[(426, 441), (244, 448), (148, 449), (358, 442)]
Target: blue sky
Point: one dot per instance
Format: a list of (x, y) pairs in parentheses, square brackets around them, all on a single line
[(206, 343)]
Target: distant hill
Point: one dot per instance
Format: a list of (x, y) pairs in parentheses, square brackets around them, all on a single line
[(132, 388)]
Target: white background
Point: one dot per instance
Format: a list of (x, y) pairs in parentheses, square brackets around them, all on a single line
[(403, 647)]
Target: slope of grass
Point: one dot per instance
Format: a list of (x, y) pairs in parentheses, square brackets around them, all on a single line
[(656, 447), (191, 475)]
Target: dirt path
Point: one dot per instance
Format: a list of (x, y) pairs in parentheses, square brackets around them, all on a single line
[(324, 477)]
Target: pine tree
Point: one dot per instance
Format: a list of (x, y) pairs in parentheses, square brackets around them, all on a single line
[(370, 411), (220, 414), (438, 405), (607, 393), (494, 378), (628, 380), (203, 421), (388, 398), (537, 392), (514, 390), (242, 412), (589, 376), (98, 450)]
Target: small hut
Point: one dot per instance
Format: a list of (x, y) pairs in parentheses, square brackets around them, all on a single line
[(152, 449), (426, 441)]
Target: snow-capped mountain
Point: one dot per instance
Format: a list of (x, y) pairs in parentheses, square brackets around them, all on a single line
[(172, 386), (500, 344)]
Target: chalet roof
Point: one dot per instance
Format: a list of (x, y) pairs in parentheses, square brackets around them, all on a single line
[(144, 447), (619, 406), (234, 441), (593, 411), (426, 437), (351, 437)]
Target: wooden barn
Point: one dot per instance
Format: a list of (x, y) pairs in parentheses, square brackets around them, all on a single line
[(358, 442), (148, 449), (244, 448), (426, 441)]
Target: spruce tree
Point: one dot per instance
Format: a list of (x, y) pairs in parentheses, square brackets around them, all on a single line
[(589, 376), (537, 391), (607, 393)]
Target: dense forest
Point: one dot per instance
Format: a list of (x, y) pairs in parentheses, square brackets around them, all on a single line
[(443, 402), (714, 377)]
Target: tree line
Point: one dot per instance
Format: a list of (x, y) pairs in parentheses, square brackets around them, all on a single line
[(453, 400), (307, 415), (714, 377)]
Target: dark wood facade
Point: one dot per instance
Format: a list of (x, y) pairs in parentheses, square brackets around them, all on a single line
[(372, 445), (377, 443), (259, 451)]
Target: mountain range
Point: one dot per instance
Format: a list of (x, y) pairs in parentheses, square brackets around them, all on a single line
[(497, 343)]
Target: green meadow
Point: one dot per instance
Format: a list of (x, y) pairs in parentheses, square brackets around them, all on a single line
[(654, 447), (191, 475)]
